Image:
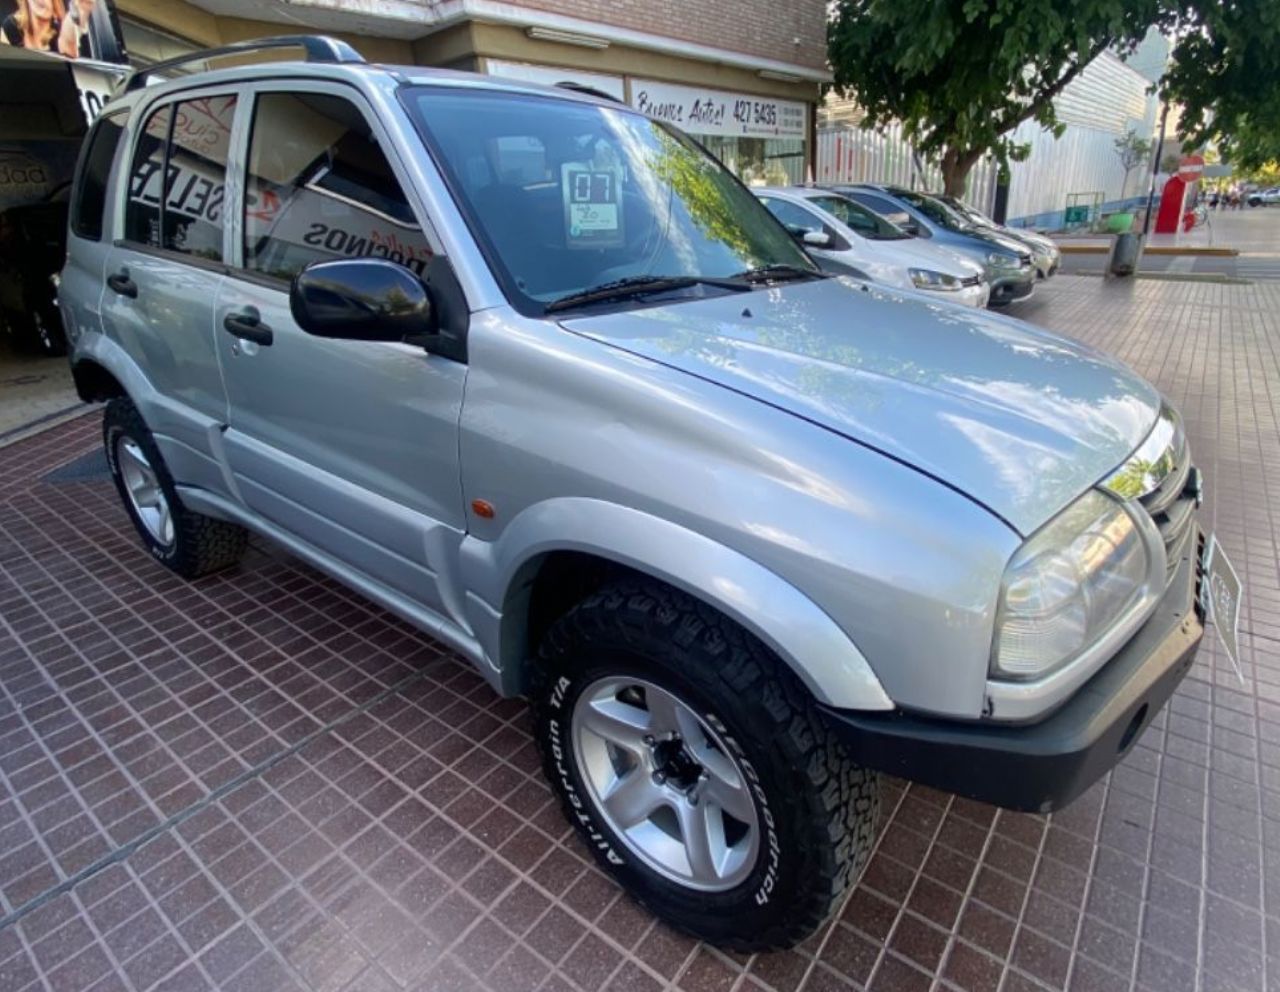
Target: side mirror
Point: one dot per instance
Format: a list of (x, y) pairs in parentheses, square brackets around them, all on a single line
[(362, 299), (816, 239)]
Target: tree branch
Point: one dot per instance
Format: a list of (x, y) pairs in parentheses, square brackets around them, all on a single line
[(1006, 125)]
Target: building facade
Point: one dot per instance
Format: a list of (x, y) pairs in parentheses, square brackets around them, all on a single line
[(743, 76)]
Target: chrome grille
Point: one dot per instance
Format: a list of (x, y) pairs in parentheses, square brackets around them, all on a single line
[(1173, 509)]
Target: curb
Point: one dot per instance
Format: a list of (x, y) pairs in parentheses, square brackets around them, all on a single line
[(1153, 250), (1214, 278), (42, 424)]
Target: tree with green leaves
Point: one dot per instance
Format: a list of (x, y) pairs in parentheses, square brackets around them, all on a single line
[(1225, 74), (961, 75), (1133, 151)]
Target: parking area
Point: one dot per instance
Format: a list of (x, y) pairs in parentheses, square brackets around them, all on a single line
[(260, 781)]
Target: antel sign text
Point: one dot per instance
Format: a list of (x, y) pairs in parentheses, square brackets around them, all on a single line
[(716, 112)]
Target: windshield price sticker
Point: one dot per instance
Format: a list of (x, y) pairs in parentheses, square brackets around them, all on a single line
[(592, 208)]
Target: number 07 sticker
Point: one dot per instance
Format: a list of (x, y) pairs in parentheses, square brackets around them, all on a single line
[(592, 214)]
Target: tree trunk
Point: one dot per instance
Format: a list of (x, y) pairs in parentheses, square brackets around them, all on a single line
[(956, 166)]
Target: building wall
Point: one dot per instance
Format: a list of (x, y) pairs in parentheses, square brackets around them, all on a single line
[(500, 41), (204, 30), (663, 45), (794, 31)]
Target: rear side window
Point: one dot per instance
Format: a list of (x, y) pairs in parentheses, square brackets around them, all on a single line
[(196, 176), (91, 191), (178, 175), (319, 187), (885, 208)]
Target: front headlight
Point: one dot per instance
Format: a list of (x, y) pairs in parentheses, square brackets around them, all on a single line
[(928, 279), (998, 260), (1067, 586)]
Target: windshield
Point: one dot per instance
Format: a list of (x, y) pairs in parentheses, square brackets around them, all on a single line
[(935, 210), (971, 214), (565, 197), (859, 219)]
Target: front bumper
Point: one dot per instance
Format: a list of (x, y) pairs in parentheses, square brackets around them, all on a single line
[(1043, 766), (973, 296), (1014, 287)]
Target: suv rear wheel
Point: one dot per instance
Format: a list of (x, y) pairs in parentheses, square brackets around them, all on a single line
[(698, 769), (189, 543)]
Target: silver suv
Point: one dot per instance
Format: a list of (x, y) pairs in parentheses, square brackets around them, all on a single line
[(539, 375)]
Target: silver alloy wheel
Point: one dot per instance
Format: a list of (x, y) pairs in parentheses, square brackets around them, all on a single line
[(144, 490), (666, 784)]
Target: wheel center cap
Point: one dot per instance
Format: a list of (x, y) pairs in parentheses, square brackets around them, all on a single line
[(673, 760)]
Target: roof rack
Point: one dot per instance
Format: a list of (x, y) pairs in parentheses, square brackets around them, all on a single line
[(318, 48)]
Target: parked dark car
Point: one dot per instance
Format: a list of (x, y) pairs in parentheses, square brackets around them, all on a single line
[(1045, 255)]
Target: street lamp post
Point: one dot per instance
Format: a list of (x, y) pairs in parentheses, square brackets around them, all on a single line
[(1155, 169)]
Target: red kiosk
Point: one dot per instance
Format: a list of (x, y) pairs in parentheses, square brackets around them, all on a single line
[(1172, 216)]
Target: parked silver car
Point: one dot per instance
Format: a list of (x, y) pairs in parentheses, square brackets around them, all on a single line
[(537, 374), (1007, 264), (844, 236)]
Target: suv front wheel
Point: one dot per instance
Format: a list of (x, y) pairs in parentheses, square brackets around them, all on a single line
[(189, 543), (698, 769)]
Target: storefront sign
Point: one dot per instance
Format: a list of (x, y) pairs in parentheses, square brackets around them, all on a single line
[(701, 111)]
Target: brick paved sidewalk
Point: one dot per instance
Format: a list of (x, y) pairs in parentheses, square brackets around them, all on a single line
[(261, 782)]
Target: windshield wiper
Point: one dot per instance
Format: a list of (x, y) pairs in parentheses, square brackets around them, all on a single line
[(778, 273), (635, 286)]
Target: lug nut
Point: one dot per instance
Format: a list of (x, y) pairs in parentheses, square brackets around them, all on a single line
[(660, 777), (648, 740)]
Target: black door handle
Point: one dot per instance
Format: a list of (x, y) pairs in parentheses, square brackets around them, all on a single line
[(122, 284), (248, 326)]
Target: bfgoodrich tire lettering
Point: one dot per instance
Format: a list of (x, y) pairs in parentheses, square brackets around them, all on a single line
[(814, 809), (189, 543)]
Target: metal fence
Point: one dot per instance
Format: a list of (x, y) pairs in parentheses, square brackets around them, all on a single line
[(851, 155)]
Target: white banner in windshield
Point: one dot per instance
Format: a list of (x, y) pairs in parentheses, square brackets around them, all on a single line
[(701, 111)]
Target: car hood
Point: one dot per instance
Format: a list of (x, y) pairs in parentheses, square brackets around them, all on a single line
[(999, 238), (914, 253), (1018, 419), (1026, 239)]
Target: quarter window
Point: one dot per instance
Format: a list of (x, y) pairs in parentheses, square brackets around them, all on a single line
[(91, 194), (319, 187), (146, 172)]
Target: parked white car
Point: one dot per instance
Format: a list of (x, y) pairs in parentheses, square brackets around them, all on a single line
[(846, 237)]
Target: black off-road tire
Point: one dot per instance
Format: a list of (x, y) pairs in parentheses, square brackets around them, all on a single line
[(201, 544), (817, 810)]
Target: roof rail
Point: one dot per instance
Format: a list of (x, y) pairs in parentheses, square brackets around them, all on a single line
[(588, 90), (318, 48)]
